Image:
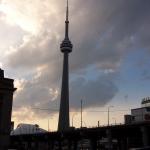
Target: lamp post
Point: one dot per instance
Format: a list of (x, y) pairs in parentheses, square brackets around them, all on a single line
[(81, 112), (114, 120), (48, 125), (108, 113), (73, 118)]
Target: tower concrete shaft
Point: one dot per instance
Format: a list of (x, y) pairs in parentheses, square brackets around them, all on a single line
[(66, 48), (64, 103)]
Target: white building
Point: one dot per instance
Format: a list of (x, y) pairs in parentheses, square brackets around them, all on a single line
[(139, 114), (27, 129)]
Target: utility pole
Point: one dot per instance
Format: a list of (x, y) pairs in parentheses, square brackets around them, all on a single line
[(98, 123), (108, 116), (48, 125), (81, 112)]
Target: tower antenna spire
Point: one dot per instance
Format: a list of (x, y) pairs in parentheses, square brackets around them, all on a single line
[(67, 22), (67, 12)]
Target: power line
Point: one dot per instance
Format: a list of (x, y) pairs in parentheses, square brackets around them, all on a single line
[(92, 111), (37, 108), (110, 110)]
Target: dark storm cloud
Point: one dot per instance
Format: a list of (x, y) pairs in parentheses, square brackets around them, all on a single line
[(92, 92), (36, 51), (95, 92), (102, 32), (105, 30)]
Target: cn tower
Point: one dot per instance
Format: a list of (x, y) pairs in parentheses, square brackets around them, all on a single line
[(66, 48)]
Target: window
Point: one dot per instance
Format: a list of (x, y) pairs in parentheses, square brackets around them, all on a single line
[(148, 109)]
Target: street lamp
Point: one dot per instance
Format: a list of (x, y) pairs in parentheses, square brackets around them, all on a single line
[(114, 120), (108, 113), (73, 118), (48, 125), (81, 112)]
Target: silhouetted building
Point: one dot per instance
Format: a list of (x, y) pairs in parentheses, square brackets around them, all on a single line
[(6, 97), (66, 48)]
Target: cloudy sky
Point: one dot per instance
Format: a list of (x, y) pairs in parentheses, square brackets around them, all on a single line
[(109, 65)]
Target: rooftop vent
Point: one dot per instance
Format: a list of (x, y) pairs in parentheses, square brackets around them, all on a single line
[(145, 102)]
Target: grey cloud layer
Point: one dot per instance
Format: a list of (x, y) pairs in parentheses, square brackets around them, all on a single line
[(102, 32)]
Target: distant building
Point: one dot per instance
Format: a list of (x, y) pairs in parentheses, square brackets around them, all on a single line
[(141, 114), (27, 129), (128, 119)]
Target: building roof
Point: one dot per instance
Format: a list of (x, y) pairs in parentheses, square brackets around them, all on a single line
[(27, 129)]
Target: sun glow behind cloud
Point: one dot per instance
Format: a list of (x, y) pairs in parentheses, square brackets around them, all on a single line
[(15, 17), (28, 15)]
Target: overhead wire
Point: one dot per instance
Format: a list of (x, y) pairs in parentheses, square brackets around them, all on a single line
[(92, 111)]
